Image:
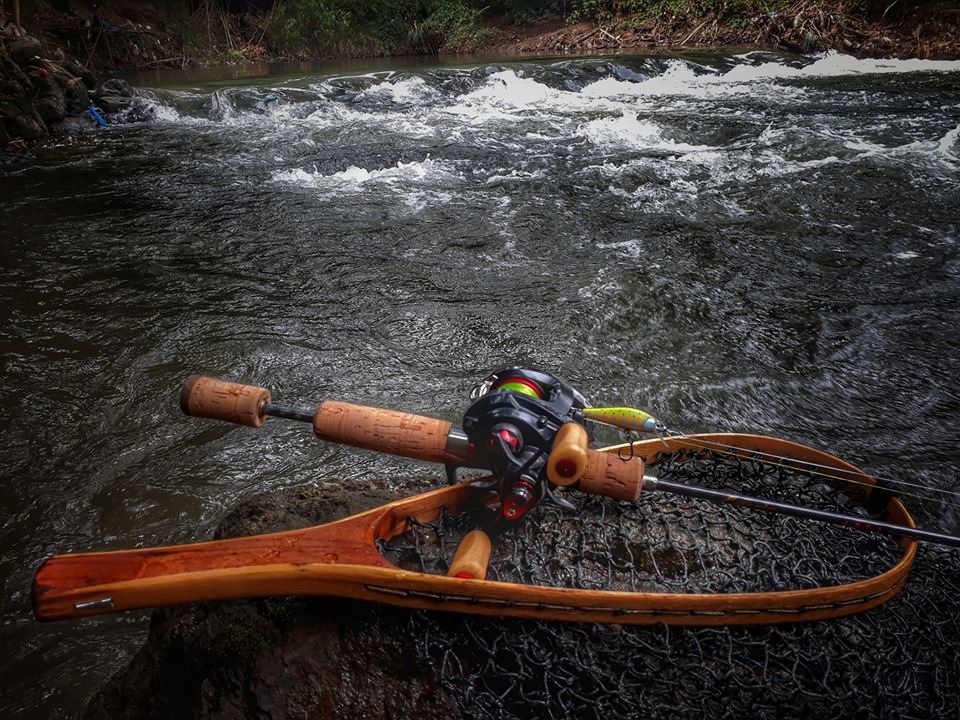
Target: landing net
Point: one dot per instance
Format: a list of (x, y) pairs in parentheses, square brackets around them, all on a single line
[(668, 543), (885, 663)]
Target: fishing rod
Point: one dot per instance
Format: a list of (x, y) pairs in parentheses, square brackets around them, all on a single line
[(530, 432), (563, 406)]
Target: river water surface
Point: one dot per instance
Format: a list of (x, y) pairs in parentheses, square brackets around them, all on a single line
[(734, 242)]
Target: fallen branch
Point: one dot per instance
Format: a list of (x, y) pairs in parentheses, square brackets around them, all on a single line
[(696, 30), (586, 37), (165, 60), (609, 35)]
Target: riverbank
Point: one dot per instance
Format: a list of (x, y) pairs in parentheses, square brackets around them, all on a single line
[(929, 32), (46, 93), (120, 36), (53, 61)]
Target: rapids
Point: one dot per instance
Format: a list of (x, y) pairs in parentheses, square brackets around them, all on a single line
[(734, 242)]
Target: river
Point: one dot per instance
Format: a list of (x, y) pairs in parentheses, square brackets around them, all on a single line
[(736, 242)]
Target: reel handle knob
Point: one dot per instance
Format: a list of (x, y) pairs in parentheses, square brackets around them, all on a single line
[(215, 399), (472, 557), (568, 457)]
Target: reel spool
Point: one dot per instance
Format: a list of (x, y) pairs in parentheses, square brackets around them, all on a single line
[(512, 427)]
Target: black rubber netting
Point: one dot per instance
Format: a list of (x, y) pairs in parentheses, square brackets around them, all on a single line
[(900, 660)]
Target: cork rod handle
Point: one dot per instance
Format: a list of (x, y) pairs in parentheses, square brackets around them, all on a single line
[(388, 431), (608, 475), (215, 399)]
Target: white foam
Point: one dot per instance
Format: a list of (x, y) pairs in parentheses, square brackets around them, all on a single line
[(507, 97), (628, 130), (404, 91), (949, 143), (165, 113), (681, 79), (833, 64), (353, 178), (516, 175)]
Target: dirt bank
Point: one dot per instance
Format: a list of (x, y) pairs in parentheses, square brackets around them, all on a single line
[(51, 61), (930, 31), (122, 36)]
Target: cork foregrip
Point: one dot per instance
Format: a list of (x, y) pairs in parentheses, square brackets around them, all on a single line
[(388, 431), (608, 475)]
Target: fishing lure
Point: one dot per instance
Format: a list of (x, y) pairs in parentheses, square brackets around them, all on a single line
[(625, 418)]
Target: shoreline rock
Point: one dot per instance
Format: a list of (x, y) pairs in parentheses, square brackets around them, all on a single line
[(303, 658), (278, 657), (43, 97)]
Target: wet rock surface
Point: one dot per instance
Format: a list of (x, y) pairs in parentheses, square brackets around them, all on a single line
[(42, 96), (279, 657)]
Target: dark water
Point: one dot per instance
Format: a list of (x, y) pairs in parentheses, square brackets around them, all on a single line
[(740, 243)]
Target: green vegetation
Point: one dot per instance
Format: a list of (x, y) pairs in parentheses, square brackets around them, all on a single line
[(338, 27), (235, 31)]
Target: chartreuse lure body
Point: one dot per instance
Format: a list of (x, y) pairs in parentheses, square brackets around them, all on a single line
[(624, 418)]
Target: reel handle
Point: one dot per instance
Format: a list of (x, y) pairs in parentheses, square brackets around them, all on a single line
[(568, 456), (472, 557)]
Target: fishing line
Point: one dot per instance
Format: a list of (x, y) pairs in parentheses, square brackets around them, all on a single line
[(787, 462)]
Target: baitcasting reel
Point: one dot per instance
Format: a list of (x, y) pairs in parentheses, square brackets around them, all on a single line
[(511, 427)]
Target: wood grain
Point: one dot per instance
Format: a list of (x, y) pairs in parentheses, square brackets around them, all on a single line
[(340, 559)]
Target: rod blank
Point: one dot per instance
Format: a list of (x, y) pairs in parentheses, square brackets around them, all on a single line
[(773, 506)]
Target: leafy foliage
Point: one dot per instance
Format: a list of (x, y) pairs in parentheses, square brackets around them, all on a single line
[(454, 26), (318, 27)]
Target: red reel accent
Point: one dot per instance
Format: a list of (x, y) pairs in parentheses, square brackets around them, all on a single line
[(510, 438), (521, 498)]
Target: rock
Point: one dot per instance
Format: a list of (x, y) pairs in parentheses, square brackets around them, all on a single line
[(76, 96), (116, 87), (18, 116), (112, 104), (140, 110), (278, 658), (49, 95), (78, 70), (73, 125), (625, 73), (24, 50)]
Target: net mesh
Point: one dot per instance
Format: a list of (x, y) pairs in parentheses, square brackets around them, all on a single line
[(866, 666), (669, 543)]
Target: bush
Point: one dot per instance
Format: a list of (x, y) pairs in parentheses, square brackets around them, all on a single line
[(454, 26)]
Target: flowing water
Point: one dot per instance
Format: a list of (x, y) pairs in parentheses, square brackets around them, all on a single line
[(734, 242)]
